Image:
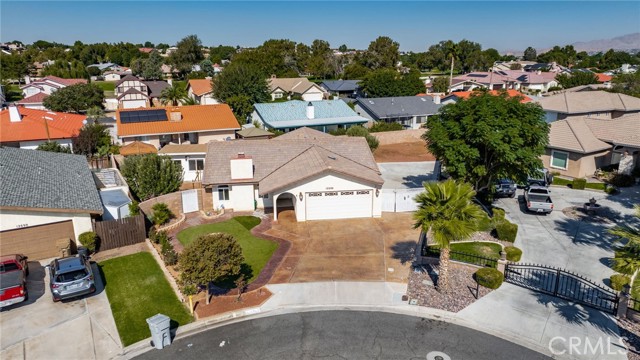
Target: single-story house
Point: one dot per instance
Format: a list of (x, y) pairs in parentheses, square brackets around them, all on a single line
[(34, 101), (460, 95), (317, 175), (116, 75), (322, 115), (505, 79), (594, 104), (580, 145), (46, 197), (341, 88), (253, 133), (193, 124), (287, 87), (190, 156), (27, 128), (47, 85), (201, 90), (410, 111)]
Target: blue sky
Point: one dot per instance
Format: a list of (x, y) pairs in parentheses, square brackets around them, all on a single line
[(503, 25)]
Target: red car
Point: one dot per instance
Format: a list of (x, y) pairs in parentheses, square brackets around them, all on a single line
[(13, 279)]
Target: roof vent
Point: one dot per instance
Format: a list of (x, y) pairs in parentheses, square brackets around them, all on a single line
[(176, 116), (241, 155), (331, 157)]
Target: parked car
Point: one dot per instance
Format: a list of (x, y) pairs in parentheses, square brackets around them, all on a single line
[(542, 177), (13, 279), (505, 187), (538, 199), (70, 277)]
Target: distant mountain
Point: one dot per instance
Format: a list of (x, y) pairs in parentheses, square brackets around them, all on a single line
[(624, 43)]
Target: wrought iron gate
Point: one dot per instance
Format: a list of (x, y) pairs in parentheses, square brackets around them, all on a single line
[(562, 284)]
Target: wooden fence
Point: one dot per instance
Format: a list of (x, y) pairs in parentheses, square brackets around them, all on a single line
[(116, 233)]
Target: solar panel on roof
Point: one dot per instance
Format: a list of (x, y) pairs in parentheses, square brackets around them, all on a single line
[(138, 116), (477, 75)]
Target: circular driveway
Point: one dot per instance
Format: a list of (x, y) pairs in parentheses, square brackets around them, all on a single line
[(342, 335)]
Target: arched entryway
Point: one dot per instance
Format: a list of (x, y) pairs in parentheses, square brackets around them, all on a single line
[(285, 202)]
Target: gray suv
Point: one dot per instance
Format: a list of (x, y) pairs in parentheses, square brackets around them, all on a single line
[(70, 277)]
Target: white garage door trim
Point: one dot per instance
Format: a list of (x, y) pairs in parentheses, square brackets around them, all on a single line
[(190, 201), (343, 204)]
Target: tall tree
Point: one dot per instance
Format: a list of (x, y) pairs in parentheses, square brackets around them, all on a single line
[(173, 94), (488, 137), (75, 98), (530, 54), (151, 175), (91, 137), (383, 52), (241, 85), (446, 214), (189, 53), (343, 48), (440, 84), (388, 82), (319, 63), (210, 258), (153, 66), (577, 78), (627, 84), (13, 67), (452, 53), (207, 67)]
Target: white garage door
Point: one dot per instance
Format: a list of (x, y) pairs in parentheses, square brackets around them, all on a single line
[(343, 204), (134, 104), (190, 201)]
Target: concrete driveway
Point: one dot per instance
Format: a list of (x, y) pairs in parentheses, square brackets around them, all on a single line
[(74, 329), (370, 249), (405, 175)]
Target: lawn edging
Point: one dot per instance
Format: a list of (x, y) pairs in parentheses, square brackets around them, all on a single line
[(165, 271)]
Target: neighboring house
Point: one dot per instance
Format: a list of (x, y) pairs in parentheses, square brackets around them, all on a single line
[(341, 88), (46, 198), (34, 101), (48, 85), (537, 81), (168, 71), (137, 148), (505, 79), (590, 87), (508, 65), (27, 128), (580, 145), (595, 104), (104, 66), (38, 67), (116, 75), (552, 67), (194, 124), (605, 79), (201, 91), (190, 156), (317, 175), (285, 88), (460, 95), (253, 133), (323, 115), (131, 92), (410, 111)]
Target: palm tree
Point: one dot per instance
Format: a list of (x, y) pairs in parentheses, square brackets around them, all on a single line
[(189, 101), (446, 213), (173, 95), (627, 256), (452, 52)]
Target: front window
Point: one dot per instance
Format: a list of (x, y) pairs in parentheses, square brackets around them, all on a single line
[(559, 160), (196, 165), (223, 193)]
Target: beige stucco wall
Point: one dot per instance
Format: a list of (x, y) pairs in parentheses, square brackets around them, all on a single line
[(14, 219), (205, 137), (152, 139), (580, 165)]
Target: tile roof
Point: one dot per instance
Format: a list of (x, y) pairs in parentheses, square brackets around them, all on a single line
[(604, 78), (253, 132), (340, 85), (294, 113), (33, 99), (184, 149), (304, 133), (47, 180), (65, 82), (401, 106), (574, 135), (589, 101), (137, 148), (35, 124), (281, 161), (200, 86), (195, 118), (624, 130), (510, 93), (292, 85)]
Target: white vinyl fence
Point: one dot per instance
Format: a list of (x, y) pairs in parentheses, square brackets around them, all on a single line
[(400, 200)]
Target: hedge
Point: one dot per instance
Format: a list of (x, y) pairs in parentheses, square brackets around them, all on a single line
[(498, 214), (506, 231), (513, 253), (618, 281), (579, 184), (89, 240), (489, 277)]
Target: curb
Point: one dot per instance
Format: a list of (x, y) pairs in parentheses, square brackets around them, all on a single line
[(254, 313)]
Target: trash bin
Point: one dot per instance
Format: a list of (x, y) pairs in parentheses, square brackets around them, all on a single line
[(160, 333), (83, 251)]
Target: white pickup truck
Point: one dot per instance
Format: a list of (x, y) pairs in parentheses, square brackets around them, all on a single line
[(538, 199)]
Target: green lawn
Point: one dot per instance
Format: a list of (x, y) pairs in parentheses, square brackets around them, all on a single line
[(105, 85), (597, 186), (256, 251), (137, 290), (13, 92), (483, 249), (565, 182)]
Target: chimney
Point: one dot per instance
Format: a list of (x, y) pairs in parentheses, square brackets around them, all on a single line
[(310, 111), (175, 116), (538, 72), (241, 167), (27, 79), (14, 114), (170, 82), (436, 99)]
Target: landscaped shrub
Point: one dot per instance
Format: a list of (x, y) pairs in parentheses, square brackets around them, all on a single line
[(485, 223), (89, 240), (152, 235), (611, 190), (513, 253), (579, 184), (618, 281), (595, 185), (161, 237), (498, 214), (489, 277), (161, 213), (506, 231), (167, 251), (379, 126), (134, 208), (621, 180), (561, 181)]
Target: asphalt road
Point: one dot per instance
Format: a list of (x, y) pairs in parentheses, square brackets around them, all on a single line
[(343, 335)]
